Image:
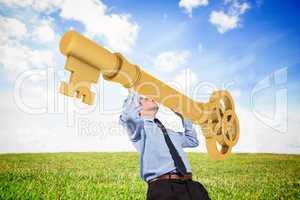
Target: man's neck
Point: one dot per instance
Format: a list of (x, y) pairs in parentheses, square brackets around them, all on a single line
[(148, 114)]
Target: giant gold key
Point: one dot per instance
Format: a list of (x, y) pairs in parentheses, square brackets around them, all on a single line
[(86, 60)]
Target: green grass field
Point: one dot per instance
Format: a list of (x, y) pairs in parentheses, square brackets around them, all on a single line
[(108, 176)]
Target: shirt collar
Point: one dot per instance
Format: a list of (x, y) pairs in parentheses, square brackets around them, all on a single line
[(148, 118)]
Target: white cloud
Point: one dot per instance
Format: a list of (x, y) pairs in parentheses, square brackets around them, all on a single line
[(42, 132), (11, 28), (189, 5), (186, 79), (16, 56), (225, 21), (37, 5), (222, 21), (14, 29), (16, 36), (236, 93), (237, 8), (45, 5), (117, 29), (21, 3), (171, 60), (43, 32), (255, 136)]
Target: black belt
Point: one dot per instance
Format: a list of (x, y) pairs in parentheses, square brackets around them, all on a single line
[(172, 176)]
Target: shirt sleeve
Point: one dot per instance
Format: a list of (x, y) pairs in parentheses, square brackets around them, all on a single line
[(130, 118), (189, 137)]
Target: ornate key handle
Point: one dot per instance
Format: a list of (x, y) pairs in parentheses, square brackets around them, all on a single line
[(86, 60), (221, 129)]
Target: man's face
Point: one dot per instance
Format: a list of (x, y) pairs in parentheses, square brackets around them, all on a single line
[(148, 104)]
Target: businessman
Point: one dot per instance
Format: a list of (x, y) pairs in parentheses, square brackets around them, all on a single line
[(163, 163)]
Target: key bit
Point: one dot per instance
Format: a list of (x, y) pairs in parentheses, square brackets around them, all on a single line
[(82, 75)]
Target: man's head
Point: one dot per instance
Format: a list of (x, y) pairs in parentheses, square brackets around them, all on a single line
[(148, 107)]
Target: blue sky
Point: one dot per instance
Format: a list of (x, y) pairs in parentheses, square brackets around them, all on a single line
[(241, 45), (268, 35)]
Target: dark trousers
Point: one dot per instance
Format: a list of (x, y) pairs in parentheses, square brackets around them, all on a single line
[(176, 190)]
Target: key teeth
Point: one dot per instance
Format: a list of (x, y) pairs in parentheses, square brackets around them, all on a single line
[(90, 99), (82, 92), (81, 78), (65, 89), (86, 94)]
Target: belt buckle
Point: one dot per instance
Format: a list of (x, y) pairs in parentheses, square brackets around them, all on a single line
[(153, 180)]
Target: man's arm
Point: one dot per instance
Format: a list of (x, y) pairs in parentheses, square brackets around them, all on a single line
[(190, 134), (130, 118), (189, 137)]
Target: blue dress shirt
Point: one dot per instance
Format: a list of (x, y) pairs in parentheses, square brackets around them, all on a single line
[(148, 139)]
